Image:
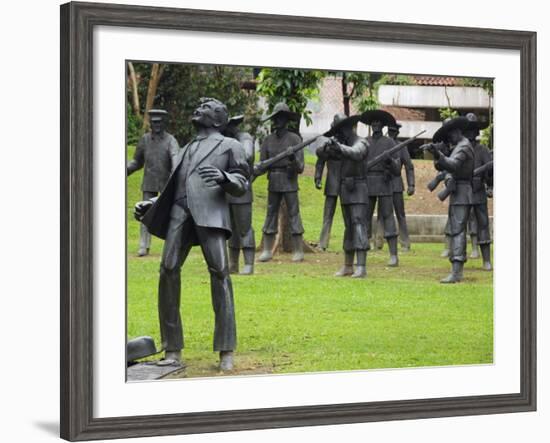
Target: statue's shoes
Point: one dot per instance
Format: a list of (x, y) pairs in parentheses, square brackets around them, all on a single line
[(487, 266), (298, 256), (360, 272), (265, 256), (226, 361), (344, 271), (143, 252), (170, 362), (451, 278), (247, 270), (394, 261)]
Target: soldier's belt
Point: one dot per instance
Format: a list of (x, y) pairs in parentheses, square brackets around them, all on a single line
[(356, 179)]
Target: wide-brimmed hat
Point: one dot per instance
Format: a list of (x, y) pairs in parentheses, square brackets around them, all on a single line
[(395, 127), (475, 122), (140, 347), (339, 121), (282, 108), (379, 115), (235, 120), (448, 125), (157, 114)]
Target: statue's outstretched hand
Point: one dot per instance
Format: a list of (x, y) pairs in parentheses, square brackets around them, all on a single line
[(141, 208), (211, 175)]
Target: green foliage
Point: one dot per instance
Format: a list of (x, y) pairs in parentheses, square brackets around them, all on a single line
[(181, 86), (135, 123), (486, 136), (293, 86), (364, 92), (445, 113), (485, 83)]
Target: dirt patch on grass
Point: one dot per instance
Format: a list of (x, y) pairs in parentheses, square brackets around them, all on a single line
[(245, 364)]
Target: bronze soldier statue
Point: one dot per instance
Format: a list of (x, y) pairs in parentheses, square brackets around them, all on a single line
[(155, 152), (398, 189), (193, 210), (240, 208), (332, 188), (283, 181), (352, 151), (460, 168), (481, 188), (380, 177)]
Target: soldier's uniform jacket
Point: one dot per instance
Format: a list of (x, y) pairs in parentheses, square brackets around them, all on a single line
[(353, 183), (460, 165), (283, 175), (404, 160), (207, 205), (380, 177), (482, 155), (247, 141), (157, 154), (332, 182)]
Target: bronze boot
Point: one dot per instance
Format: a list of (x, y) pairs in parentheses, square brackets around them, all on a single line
[(248, 268), (234, 260), (486, 254), (267, 253), (361, 267), (392, 245), (347, 269), (475, 248), (456, 274), (297, 248)]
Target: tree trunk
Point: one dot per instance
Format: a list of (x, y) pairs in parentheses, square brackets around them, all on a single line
[(134, 86), (283, 240), (345, 94), (156, 74)]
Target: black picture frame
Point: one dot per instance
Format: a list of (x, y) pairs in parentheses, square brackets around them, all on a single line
[(77, 23)]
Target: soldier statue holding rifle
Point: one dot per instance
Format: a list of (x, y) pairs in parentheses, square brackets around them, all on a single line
[(380, 177), (240, 207), (155, 152), (458, 184), (481, 188), (193, 210), (283, 180), (398, 189), (332, 187), (352, 190)]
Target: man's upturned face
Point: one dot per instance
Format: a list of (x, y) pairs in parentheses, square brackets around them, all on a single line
[(205, 115), (376, 126), (280, 121), (157, 126)]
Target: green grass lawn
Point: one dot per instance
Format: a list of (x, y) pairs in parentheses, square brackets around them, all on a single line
[(299, 318)]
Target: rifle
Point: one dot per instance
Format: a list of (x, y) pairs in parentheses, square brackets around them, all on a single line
[(440, 146), (450, 188), (261, 167), (386, 154), (483, 168), (434, 183)]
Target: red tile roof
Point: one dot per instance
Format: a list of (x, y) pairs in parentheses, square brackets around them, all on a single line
[(425, 80)]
